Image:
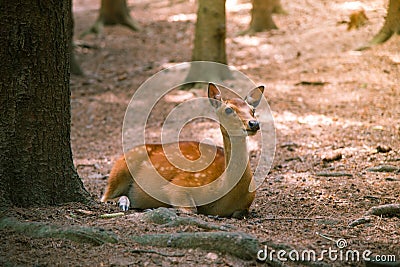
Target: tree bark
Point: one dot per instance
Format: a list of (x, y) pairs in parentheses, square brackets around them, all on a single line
[(210, 33), (261, 15), (36, 166), (209, 41), (390, 27), (113, 12)]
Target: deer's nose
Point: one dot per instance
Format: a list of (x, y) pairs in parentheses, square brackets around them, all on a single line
[(254, 125)]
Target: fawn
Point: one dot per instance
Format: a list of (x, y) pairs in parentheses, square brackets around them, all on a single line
[(237, 121)]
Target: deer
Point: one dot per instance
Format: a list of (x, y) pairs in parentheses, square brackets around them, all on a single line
[(229, 170)]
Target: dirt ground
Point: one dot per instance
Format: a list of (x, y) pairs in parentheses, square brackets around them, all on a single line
[(326, 100)]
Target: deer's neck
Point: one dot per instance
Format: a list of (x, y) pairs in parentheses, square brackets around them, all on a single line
[(236, 154)]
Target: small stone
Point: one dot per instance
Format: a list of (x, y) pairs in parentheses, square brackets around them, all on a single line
[(212, 256)]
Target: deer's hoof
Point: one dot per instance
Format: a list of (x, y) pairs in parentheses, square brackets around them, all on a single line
[(124, 203)]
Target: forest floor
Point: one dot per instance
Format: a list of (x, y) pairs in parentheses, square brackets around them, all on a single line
[(335, 110)]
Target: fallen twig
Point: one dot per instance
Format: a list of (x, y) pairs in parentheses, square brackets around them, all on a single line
[(384, 168), (315, 83), (379, 197), (333, 174), (112, 215), (360, 221)]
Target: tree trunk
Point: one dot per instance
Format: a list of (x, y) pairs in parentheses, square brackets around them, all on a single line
[(277, 8), (75, 67), (36, 166), (113, 12), (261, 15), (209, 42), (391, 26)]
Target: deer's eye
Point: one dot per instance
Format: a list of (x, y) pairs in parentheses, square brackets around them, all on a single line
[(228, 111)]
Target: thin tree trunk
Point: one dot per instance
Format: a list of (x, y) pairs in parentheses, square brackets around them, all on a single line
[(209, 42), (113, 12), (75, 67), (277, 8), (261, 15), (390, 27), (210, 33), (36, 166)]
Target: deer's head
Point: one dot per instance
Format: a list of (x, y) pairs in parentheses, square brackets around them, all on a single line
[(236, 116)]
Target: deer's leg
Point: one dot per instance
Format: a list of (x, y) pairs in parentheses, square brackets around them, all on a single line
[(124, 203), (180, 199), (240, 214)]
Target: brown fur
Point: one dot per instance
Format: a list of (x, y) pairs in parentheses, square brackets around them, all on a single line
[(357, 19)]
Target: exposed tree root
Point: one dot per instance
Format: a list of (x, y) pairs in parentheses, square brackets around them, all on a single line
[(388, 210), (383, 35), (238, 244), (75, 233), (391, 26), (168, 217)]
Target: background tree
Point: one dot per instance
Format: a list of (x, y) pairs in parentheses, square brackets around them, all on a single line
[(36, 166), (209, 41), (261, 15), (391, 25), (113, 12), (75, 67), (278, 8)]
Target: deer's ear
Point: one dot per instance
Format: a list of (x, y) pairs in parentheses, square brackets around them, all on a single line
[(254, 96), (214, 95)]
